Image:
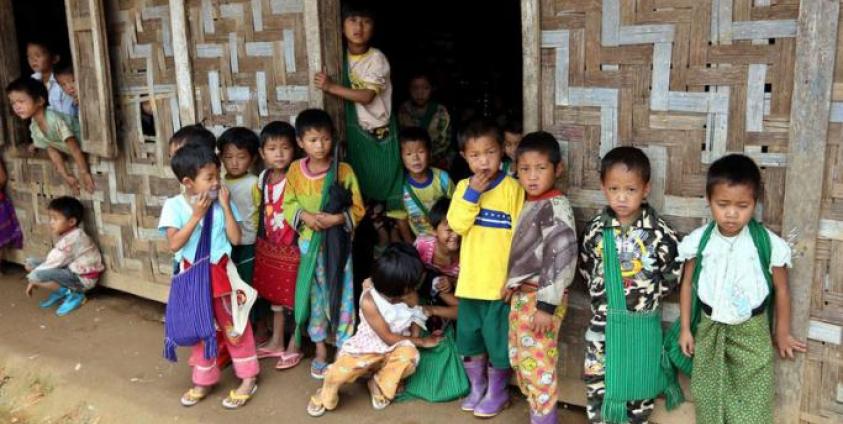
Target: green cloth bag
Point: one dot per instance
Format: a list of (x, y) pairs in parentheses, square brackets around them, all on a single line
[(440, 376), (307, 266), (633, 344), (676, 361), (377, 163)]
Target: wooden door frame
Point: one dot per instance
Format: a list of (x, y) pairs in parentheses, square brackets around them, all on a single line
[(11, 128)]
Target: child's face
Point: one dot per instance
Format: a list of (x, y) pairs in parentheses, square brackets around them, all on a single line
[(625, 190), (446, 237), (536, 173), (732, 206), (60, 224), (510, 143), (40, 60), (24, 105), (236, 161), (317, 143), (483, 154), (415, 156), (358, 30), (207, 180), (277, 153), (68, 84), (420, 90)]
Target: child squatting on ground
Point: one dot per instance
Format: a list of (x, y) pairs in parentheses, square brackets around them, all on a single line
[(483, 212), (542, 264), (734, 283), (388, 335), (628, 261), (50, 130), (74, 264), (198, 170)]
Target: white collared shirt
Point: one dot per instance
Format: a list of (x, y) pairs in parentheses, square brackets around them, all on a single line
[(59, 100), (732, 281)]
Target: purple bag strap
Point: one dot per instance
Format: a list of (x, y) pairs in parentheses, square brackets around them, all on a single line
[(203, 250)]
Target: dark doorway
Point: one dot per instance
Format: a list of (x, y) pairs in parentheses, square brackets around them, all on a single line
[(43, 21), (472, 48)]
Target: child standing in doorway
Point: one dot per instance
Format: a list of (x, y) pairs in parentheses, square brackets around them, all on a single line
[(483, 212), (50, 130), (42, 59), (628, 261), (542, 265), (371, 130), (306, 194), (198, 169), (512, 134), (734, 282), (421, 111)]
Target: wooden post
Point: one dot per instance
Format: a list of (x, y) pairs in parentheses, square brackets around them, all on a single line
[(10, 127), (313, 38), (531, 44), (813, 74), (181, 56)]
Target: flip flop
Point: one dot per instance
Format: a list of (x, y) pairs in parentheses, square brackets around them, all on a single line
[(314, 409), (266, 353), (288, 360), (318, 369), (192, 397), (379, 401), (237, 401)]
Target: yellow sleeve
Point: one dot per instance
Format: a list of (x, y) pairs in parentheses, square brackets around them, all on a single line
[(464, 208), (257, 213), (357, 209)]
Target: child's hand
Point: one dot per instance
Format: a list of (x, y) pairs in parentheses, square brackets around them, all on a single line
[(73, 183), (88, 182), (327, 220), (201, 206), (787, 345), (322, 81), (506, 294), (542, 322), (686, 343), (444, 285), (311, 222), (367, 283), (480, 181), (224, 196), (429, 341), (29, 288)]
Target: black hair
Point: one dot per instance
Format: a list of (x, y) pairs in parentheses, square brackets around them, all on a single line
[(313, 119), (411, 134), (278, 129), (194, 134), (540, 142), (513, 126), (32, 87), (46, 45), (632, 157), (361, 8), (420, 74), (480, 128), (398, 270), (439, 212), (187, 162), (64, 67), (241, 138), (734, 169), (68, 207)]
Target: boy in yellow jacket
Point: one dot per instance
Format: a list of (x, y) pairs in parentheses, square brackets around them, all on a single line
[(483, 211)]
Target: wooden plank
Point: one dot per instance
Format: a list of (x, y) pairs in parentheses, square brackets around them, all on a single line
[(531, 65), (313, 37), (11, 128), (181, 58), (813, 75), (661, 76), (756, 75)]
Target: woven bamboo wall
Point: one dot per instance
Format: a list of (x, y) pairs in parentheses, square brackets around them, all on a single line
[(256, 49), (689, 81)]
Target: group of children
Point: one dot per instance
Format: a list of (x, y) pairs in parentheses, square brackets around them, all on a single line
[(482, 288)]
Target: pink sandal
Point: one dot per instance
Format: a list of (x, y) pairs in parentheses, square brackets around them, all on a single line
[(288, 360), (265, 353)]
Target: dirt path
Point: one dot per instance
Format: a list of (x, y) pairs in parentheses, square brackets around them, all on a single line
[(102, 364)]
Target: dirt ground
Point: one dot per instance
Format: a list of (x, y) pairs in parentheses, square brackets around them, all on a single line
[(103, 364)]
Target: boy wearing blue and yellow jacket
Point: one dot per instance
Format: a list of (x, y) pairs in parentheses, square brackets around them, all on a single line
[(483, 212)]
